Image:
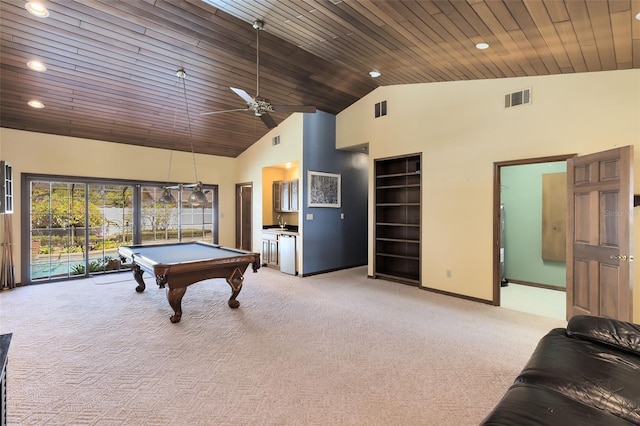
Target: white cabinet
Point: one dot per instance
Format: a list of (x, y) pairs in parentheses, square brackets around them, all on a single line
[(270, 249)]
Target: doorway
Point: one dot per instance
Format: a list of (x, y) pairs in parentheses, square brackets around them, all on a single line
[(244, 207), (533, 278)]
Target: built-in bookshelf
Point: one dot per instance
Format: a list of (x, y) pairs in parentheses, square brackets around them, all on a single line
[(397, 218)]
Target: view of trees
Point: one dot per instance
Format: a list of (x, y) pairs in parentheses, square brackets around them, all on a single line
[(64, 213)]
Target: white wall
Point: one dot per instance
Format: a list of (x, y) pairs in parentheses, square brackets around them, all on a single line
[(462, 128), (30, 152)]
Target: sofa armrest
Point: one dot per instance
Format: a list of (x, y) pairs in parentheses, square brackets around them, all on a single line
[(619, 334)]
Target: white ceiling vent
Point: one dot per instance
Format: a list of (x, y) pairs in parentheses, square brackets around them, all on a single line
[(521, 97)]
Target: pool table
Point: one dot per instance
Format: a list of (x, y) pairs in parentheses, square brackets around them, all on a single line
[(178, 265)]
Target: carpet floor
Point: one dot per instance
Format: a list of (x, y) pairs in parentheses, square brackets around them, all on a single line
[(331, 349)]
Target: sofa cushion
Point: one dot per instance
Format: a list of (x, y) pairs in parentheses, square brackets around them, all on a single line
[(621, 335), (588, 372), (525, 405)]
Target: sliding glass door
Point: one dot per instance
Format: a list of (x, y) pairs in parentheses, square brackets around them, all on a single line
[(58, 228), (76, 225)]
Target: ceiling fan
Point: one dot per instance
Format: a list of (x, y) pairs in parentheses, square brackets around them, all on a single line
[(261, 107)]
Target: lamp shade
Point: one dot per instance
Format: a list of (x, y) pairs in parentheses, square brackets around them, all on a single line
[(167, 196), (197, 197)]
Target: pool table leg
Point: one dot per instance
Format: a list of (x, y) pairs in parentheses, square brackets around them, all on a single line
[(174, 296), (235, 281), (137, 275)]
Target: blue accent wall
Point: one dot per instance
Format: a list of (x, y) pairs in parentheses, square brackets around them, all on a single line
[(329, 242)]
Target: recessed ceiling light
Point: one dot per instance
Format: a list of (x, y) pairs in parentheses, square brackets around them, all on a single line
[(375, 73), (482, 46), (638, 16), (35, 104), (36, 65), (36, 9)]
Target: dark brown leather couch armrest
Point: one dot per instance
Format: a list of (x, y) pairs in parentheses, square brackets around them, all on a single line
[(619, 334)]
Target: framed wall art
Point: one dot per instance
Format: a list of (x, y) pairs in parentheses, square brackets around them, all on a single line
[(323, 189)]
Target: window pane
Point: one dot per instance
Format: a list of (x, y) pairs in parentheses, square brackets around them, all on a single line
[(109, 217), (159, 221), (196, 222)]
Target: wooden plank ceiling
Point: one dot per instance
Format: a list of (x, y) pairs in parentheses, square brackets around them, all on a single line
[(111, 65)]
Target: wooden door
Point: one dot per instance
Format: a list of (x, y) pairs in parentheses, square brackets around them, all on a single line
[(244, 216), (599, 228)]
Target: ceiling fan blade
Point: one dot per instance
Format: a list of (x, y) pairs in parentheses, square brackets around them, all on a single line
[(268, 120), (244, 95), (293, 108), (226, 110)]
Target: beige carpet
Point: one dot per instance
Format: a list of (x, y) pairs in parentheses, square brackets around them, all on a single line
[(332, 349)]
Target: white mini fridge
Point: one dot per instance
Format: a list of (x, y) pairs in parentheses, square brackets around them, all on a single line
[(287, 248)]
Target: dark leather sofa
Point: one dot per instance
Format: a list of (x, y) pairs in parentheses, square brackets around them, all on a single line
[(586, 374)]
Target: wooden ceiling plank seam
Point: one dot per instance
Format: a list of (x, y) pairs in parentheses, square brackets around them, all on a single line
[(506, 20), (572, 46), (414, 22), (377, 35), (533, 37), (195, 27), (347, 50), (542, 20), (484, 32), (636, 53), (621, 6), (635, 24), (36, 38), (94, 13), (355, 43), (451, 9), (491, 58), (603, 33), (415, 42), (557, 10), (333, 27), (516, 62), (584, 34), (502, 14), (439, 23), (457, 43), (363, 21), (357, 60), (528, 51), (623, 46)]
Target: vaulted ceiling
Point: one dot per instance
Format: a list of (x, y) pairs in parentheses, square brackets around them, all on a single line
[(111, 65)]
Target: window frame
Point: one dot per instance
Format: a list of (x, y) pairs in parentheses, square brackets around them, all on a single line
[(137, 185)]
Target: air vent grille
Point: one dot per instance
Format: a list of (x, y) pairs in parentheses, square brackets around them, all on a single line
[(380, 109), (276, 140), (521, 97)]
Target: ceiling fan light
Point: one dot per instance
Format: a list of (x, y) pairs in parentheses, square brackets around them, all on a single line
[(167, 196)]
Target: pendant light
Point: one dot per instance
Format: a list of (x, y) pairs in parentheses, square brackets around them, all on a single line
[(197, 197)]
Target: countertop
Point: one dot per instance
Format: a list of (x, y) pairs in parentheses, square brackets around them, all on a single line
[(279, 231)]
